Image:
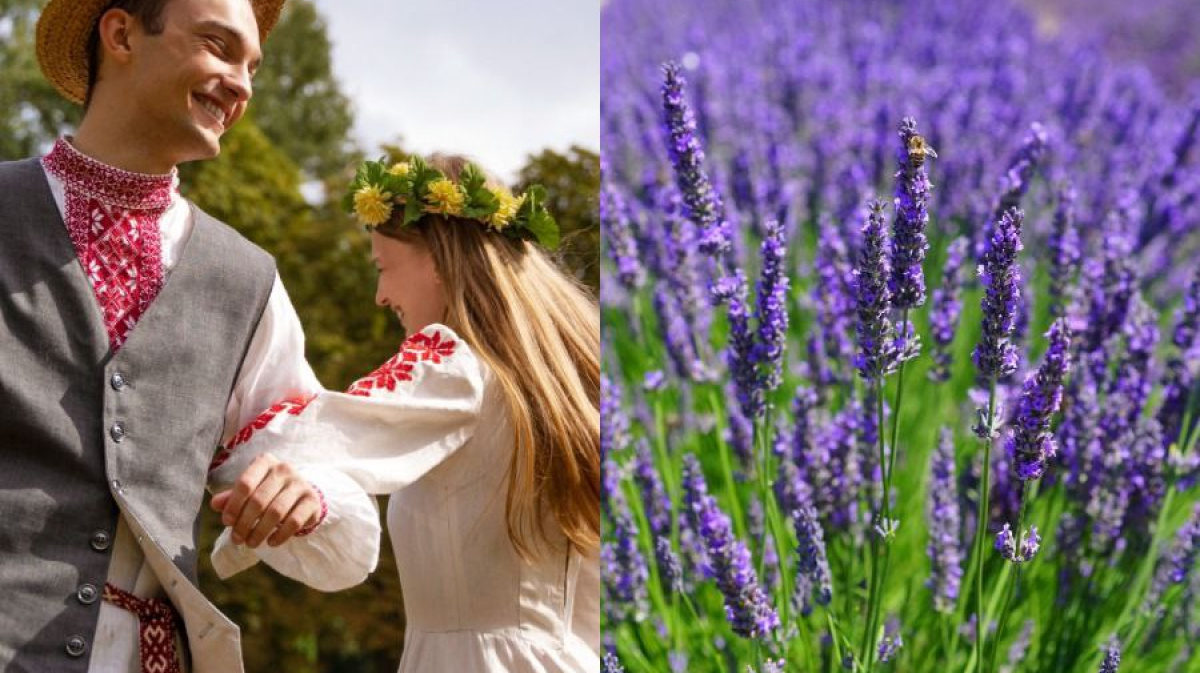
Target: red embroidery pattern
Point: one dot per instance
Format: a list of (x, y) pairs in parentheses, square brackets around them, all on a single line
[(157, 628), (308, 530), (292, 406), (112, 216), (419, 347)]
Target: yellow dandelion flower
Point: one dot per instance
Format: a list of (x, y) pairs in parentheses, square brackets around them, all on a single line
[(445, 197), (399, 169), (372, 205), (509, 205)]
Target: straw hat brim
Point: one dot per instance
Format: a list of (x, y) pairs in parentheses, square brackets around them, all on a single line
[(65, 26)]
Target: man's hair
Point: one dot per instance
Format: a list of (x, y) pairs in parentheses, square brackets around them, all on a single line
[(149, 13)]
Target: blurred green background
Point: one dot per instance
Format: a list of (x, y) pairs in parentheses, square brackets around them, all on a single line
[(298, 133)]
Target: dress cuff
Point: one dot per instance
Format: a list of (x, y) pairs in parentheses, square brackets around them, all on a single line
[(340, 551), (309, 529)]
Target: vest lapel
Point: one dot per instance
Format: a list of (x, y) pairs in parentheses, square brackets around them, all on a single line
[(45, 226)]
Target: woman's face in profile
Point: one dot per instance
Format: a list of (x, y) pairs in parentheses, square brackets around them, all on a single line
[(408, 282)]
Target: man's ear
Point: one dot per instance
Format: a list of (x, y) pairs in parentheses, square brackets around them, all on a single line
[(115, 30)]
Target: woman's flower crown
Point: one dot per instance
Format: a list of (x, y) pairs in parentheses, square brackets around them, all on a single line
[(418, 189)]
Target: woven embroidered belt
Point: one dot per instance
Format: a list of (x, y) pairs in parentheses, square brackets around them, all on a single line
[(157, 628)]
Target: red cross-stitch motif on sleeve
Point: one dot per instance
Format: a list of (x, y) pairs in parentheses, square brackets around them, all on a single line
[(292, 406), (429, 348), (419, 347)]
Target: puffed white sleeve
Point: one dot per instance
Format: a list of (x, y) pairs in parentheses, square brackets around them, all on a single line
[(387, 430)]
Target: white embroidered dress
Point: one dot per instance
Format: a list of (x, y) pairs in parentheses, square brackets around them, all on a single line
[(430, 428)]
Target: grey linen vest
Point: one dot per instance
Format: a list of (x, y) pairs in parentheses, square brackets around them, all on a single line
[(86, 434)]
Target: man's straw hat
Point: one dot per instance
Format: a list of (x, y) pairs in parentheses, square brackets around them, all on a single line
[(65, 26)]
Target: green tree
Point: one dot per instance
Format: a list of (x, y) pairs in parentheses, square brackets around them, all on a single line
[(300, 103), (572, 181), (31, 112)]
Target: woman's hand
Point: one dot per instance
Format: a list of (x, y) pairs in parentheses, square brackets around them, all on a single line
[(269, 502)]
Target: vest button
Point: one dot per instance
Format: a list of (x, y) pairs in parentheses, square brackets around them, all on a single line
[(101, 540), (87, 594), (117, 381), (76, 646), (117, 431)]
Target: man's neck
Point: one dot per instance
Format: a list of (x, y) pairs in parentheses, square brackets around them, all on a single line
[(117, 146)]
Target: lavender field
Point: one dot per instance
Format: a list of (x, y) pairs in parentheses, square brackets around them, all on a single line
[(901, 371)]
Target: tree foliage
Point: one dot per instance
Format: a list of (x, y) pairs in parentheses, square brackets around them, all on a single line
[(572, 180)]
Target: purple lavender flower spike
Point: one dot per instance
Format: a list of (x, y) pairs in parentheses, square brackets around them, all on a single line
[(772, 666), (1112, 657), (833, 296), (654, 381), (791, 490), (1064, 246), (1178, 564), (677, 335), (614, 428), (945, 546), (626, 571), (622, 241), (669, 569), (907, 282), (1178, 383), (804, 406), (610, 481), (655, 501), (1031, 444), (876, 339), (1006, 544), (612, 664), (1112, 282), (1021, 168), (889, 647), (687, 157), (946, 309), (996, 356), (747, 606), (771, 309), (1030, 544), (739, 355), (813, 563)]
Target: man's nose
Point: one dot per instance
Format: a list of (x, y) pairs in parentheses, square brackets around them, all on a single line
[(239, 84)]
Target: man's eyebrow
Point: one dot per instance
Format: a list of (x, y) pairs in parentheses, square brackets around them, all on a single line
[(237, 35)]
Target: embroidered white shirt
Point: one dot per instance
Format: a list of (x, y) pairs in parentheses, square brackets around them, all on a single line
[(274, 369)]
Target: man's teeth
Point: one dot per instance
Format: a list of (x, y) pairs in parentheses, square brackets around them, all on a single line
[(213, 109)]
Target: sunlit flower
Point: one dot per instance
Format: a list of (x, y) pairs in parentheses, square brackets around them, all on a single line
[(399, 169), (445, 197), (509, 205), (372, 205)]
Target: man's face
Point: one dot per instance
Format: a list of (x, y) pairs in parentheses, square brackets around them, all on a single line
[(192, 81)]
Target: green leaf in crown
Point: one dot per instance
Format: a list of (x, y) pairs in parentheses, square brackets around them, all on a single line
[(420, 189)]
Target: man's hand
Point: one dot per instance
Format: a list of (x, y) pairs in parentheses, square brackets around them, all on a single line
[(269, 499)]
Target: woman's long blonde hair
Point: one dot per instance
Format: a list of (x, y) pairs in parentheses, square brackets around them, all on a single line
[(539, 331)]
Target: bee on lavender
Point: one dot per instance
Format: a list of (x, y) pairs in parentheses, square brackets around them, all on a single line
[(918, 150)]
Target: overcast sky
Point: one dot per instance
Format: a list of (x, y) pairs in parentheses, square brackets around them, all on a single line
[(495, 79)]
